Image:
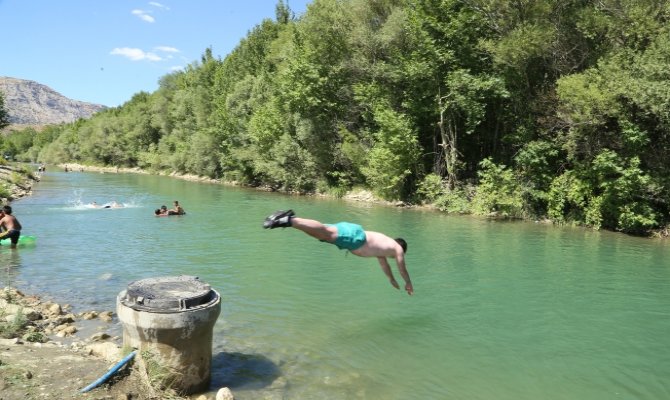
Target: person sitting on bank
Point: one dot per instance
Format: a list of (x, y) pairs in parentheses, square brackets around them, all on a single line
[(10, 225), (352, 237)]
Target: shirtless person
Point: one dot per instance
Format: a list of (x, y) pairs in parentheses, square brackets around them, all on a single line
[(352, 237), (10, 225), (177, 209)]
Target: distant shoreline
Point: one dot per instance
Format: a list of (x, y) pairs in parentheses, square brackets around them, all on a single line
[(354, 195)]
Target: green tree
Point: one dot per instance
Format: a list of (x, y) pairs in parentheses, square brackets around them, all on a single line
[(393, 157), (4, 114)]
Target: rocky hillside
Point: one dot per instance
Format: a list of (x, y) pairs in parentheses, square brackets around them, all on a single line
[(31, 103)]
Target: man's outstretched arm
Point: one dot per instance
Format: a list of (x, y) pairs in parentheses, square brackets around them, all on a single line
[(400, 260), (387, 271)]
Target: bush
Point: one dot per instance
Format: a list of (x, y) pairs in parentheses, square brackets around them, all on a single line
[(13, 328), (499, 191), (455, 201), (430, 188), (611, 192)]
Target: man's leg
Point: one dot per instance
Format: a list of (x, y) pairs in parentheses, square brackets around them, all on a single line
[(315, 229), (14, 237)]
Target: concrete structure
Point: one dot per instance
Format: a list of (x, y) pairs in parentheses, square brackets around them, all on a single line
[(173, 317)]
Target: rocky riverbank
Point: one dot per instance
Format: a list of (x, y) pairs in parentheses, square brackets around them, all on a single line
[(15, 182), (47, 351), (42, 355)]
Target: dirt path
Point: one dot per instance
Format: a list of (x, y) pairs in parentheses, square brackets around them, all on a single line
[(47, 371)]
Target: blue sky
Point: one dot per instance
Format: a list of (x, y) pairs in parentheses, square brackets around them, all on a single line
[(104, 51)]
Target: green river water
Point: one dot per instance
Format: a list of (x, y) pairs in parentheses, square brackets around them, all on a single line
[(502, 311)]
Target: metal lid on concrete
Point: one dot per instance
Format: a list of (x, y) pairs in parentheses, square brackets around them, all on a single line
[(169, 294)]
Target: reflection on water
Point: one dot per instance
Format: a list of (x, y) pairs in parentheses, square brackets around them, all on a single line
[(10, 261), (244, 371), (500, 311)]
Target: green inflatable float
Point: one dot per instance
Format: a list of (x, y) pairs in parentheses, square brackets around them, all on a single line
[(24, 241)]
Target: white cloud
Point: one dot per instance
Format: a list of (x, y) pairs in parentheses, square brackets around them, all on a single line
[(135, 54), (166, 49), (158, 5), (143, 15), (176, 68)]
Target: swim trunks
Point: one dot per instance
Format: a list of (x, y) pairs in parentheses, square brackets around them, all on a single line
[(13, 235), (349, 236)]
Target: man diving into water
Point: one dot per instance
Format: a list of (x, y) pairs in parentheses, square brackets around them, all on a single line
[(352, 237)]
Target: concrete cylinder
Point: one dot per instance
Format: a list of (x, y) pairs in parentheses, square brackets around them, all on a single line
[(173, 318)]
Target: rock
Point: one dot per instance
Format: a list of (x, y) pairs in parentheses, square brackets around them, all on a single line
[(10, 293), (31, 315), (202, 397), (15, 309), (106, 316), (67, 331), (69, 317), (53, 309), (89, 315), (97, 337), (70, 329), (107, 350), (65, 319), (224, 394)]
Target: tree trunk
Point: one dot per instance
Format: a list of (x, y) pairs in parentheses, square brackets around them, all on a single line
[(448, 134)]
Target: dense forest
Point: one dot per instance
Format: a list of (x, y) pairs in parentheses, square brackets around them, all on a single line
[(520, 108)]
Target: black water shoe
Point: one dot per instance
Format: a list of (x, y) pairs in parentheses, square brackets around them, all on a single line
[(280, 219)]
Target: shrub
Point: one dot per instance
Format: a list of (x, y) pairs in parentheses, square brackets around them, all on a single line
[(498, 191), (430, 188)]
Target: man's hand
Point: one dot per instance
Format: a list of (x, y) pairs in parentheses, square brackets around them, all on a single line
[(409, 288)]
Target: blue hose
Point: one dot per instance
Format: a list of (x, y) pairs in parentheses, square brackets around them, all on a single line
[(109, 373)]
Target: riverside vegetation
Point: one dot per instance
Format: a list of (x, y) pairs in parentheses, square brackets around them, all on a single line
[(542, 109)]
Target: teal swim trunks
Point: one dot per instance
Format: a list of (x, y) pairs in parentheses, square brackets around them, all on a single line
[(349, 236)]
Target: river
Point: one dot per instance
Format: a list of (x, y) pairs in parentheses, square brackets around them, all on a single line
[(501, 310)]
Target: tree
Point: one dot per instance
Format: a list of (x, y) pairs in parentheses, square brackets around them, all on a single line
[(4, 114)]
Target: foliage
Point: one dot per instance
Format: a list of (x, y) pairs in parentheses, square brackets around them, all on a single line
[(161, 378), (4, 114), (5, 192), (541, 108), (36, 337), (614, 195), (456, 201), (13, 328), (430, 188), (393, 156), (498, 191)]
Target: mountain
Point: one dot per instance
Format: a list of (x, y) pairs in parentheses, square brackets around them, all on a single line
[(31, 103)]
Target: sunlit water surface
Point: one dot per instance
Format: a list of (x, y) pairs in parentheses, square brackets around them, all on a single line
[(501, 310)]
